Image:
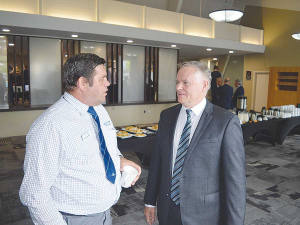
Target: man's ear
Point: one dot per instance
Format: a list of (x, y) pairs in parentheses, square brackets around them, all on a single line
[(82, 83), (205, 85)]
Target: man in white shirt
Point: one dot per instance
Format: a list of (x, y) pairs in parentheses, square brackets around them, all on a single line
[(72, 163), (197, 171)]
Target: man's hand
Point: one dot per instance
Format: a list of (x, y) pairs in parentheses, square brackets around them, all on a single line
[(126, 162), (150, 214)]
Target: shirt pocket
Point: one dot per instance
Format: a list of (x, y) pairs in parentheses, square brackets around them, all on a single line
[(81, 152)]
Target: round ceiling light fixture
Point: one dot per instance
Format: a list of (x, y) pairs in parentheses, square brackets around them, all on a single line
[(296, 36), (226, 14)]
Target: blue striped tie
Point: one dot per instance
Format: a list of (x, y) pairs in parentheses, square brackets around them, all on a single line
[(108, 163), (181, 152)]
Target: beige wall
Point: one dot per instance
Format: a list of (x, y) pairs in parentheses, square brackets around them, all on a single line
[(253, 63), (281, 49), (235, 70), (18, 123)]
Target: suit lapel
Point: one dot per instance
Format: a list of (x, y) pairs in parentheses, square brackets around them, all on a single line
[(203, 122)]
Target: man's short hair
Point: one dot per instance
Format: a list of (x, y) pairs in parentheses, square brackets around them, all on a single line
[(216, 67), (238, 81), (202, 71), (80, 65), (227, 80)]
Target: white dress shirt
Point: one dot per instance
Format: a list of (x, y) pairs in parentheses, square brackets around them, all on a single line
[(196, 114), (63, 166)]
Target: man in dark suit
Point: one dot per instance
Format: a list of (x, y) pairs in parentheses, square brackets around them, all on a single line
[(225, 96), (239, 91), (214, 76), (197, 171), (215, 92)]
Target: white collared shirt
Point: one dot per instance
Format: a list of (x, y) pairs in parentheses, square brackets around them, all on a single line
[(64, 169), (195, 117)]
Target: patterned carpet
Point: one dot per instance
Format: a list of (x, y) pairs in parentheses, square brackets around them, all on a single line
[(273, 185)]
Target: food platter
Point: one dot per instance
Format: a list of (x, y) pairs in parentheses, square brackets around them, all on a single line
[(123, 135), (134, 130), (140, 135)]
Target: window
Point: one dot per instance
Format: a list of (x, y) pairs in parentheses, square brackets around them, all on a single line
[(3, 73), (18, 72), (45, 70), (31, 71), (167, 74), (133, 73)]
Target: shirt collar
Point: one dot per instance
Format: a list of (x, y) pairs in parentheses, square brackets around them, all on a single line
[(197, 109), (78, 105)]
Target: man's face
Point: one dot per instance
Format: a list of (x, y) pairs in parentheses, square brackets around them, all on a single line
[(236, 84), (97, 92), (189, 91), (219, 82)]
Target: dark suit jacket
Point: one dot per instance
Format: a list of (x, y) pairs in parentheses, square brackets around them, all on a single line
[(214, 76), (215, 94), (212, 180), (238, 92), (225, 96)]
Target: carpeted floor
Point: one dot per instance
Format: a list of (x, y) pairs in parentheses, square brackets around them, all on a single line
[(273, 185)]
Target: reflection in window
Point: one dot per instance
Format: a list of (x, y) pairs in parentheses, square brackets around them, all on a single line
[(18, 72), (113, 51), (3, 74), (133, 73), (151, 85), (167, 74)]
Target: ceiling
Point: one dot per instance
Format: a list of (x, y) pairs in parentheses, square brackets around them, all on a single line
[(190, 7)]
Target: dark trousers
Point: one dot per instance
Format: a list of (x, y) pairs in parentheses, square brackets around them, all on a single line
[(174, 217)]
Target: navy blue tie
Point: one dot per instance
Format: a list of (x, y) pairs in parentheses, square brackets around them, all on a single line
[(108, 163), (181, 152)]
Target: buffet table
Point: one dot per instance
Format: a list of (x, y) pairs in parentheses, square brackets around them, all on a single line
[(140, 145), (261, 131), (289, 125), (272, 131)]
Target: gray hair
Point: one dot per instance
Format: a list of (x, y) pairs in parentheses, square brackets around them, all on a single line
[(202, 71), (238, 81)]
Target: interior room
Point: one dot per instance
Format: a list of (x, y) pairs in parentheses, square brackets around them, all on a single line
[(144, 43)]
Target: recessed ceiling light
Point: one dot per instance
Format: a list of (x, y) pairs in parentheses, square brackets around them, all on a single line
[(208, 49), (92, 47), (231, 51), (173, 46), (129, 41), (215, 58), (6, 30), (11, 44), (74, 35)]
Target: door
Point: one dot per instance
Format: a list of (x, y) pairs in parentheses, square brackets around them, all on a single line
[(261, 90)]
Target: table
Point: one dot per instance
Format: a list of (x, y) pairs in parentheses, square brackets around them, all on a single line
[(144, 146), (287, 126), (261, 131), (272, 131)]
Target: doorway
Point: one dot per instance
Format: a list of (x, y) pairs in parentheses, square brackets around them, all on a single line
[(260, 90)]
